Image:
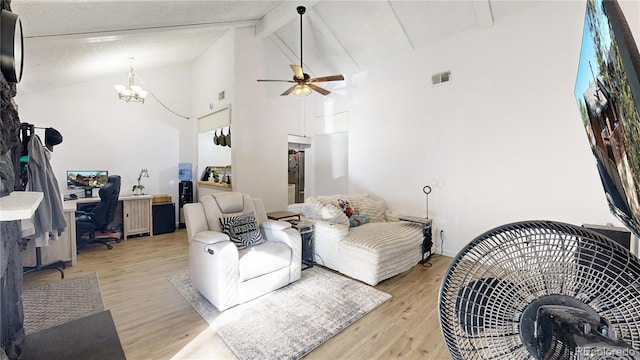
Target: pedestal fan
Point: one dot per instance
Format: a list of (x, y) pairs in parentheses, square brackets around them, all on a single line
[(542, 290)]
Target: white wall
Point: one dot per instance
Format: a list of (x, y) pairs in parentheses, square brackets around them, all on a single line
[(262, 120), (502, 142), (212, 73), (631, 9), (102, 132)]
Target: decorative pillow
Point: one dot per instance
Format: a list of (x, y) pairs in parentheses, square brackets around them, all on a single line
[(312, 209), (374, 209), (346, 207), (331, 213), (357, 220), (242, 230), (330, 199)]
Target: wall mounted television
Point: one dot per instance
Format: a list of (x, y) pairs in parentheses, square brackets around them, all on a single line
[(608, 95), (86, 180)]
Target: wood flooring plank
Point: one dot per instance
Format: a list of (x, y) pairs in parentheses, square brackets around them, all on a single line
[(155, 322)]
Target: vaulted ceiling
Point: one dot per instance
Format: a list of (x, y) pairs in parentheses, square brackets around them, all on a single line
[(70, 41)]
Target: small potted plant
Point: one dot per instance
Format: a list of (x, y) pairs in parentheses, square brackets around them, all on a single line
[(137, 189), (214, 175)]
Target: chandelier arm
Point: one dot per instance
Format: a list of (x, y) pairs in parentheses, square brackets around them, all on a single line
[(160, 102), (165, 106)]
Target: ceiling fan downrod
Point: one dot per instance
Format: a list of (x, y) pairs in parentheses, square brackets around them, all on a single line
[(301, 11)]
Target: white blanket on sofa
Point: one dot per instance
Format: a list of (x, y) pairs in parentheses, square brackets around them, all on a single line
[(377, 251), (371, 252)]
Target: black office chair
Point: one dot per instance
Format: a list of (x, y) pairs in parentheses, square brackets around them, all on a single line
[(91, 227)]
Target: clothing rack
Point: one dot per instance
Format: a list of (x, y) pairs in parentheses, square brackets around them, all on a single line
[(26, 132)]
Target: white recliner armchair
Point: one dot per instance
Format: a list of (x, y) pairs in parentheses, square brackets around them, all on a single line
[(227, 274)]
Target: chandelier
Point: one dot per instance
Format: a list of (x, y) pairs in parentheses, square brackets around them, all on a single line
[(131, 93)]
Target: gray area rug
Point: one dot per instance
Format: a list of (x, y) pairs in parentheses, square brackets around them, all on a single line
[(93, 337), (57, 302), (290, 322)]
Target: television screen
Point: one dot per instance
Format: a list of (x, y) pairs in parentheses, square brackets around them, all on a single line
[(86, 179), (608, 95)]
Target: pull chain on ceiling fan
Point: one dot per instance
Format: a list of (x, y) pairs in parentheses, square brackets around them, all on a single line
[(304, 84)]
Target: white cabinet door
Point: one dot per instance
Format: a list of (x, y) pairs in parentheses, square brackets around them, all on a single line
[(136, 216)]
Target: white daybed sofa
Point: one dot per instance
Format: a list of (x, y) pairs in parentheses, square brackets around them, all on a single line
[(371, 252)]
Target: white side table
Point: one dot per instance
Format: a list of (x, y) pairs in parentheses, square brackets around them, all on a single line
[(427, 242)]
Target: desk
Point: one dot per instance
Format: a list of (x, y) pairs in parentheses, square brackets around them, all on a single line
[(137, 215), (22, 205), (63, 249)]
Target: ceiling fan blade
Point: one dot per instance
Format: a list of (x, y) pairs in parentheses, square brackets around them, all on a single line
[(327, 78), (288, 91), (297, 71), (289, 81), (319, 89)]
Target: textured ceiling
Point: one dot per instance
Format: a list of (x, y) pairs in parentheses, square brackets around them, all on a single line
[(70, 41)]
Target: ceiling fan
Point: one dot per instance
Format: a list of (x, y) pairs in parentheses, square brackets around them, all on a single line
[(304, 84)]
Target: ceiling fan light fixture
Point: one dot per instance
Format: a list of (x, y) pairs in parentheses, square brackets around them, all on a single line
[(302, 90)]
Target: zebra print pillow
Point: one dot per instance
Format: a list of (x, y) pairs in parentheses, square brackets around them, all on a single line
[(242, 230)]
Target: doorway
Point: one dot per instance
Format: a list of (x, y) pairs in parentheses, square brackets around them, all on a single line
[(296, 172)]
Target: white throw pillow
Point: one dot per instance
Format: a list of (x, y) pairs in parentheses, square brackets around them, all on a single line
[(356, 200), (374, 209), (331, 213), (312, 209), (328, 200)]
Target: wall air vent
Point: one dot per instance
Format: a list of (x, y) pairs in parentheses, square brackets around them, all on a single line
[(440, 78)]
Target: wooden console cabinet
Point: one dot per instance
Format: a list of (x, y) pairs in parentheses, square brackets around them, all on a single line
[(136, 215)]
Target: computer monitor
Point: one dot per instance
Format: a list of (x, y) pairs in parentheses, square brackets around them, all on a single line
[(608, 95), (87, 180)]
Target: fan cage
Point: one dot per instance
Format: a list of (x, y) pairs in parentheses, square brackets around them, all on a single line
[(490, 283)]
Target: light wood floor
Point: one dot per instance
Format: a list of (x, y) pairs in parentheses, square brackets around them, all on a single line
[(155, 322)]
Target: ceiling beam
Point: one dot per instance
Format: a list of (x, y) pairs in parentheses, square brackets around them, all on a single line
[(332, 42), (398, 29), (483, 13), (286, 50), (148, 30), (279, 16)]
